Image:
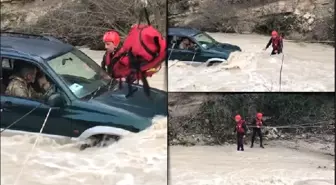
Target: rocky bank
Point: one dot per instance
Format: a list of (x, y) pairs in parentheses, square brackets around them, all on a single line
[(296, 19)]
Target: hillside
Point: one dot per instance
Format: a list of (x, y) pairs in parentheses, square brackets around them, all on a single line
[(296, 19), (80, 22)]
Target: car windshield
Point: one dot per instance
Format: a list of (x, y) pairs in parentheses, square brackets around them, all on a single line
[(205, 40), (81, 74)]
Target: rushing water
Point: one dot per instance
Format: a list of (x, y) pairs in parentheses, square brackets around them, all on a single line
[(138, 159), (307, 67), (211, 165)]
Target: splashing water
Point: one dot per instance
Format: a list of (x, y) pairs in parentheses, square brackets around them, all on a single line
[(211, 165), (307, 67), (137, 159)]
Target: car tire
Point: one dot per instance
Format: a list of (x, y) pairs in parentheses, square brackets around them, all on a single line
[(213, 63), (100, 140)]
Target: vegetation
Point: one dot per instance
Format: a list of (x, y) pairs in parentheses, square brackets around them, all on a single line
[(84, 22), (258, 16), (212, 122)]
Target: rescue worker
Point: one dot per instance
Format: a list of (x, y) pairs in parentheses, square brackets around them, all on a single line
[(112, 41), (241, 129), (277, 43), (257, 123), (21, 84)]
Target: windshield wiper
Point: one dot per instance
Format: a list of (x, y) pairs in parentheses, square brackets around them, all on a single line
[(95, 91), (109, 84)]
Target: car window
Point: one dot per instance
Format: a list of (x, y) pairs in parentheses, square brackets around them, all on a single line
[(204, 40), (80, 73), (170, 41), (173, 42), (185, 43), (7, 63), (37, 89)]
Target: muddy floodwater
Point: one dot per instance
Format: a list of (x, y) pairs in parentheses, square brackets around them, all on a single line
[(138, 159), (274, 165), (306, 67)]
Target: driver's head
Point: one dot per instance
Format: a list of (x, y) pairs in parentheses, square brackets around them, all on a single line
[(28, 73), (42, 81), (186, 41), (111, 40)]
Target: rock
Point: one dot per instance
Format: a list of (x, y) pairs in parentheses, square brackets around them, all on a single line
[(307, 15), (311, 20), (297, 12)]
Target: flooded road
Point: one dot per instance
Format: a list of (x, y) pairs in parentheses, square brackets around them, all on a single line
[(274, 165), (306, 67), (138, 159)]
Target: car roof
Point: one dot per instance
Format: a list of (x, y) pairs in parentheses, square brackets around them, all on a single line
[(183, 31), (42, 46)]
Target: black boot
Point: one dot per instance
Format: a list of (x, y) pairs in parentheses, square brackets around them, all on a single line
[(251, 145), (261, 146)]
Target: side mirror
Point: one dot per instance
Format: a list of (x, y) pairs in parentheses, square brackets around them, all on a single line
[(55, 100)]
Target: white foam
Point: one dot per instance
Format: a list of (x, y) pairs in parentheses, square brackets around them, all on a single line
[(139, 159)]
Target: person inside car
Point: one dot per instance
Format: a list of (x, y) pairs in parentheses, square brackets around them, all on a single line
[(186, 44), (21, 84)]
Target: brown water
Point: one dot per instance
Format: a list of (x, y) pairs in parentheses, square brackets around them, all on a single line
[(137, 159), (274, 165), (307, 67)]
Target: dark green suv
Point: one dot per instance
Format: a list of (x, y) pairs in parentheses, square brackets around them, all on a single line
[(86, 103), (205, 48)]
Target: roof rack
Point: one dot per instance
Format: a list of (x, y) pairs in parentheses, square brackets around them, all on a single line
[(28, 35)]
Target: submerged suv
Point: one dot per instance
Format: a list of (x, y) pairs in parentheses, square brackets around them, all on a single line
[(205, 48), (86, 103)]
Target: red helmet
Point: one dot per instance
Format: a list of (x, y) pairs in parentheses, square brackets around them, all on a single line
[(274, 33), (112, 36), (237, 117), (259, 115)]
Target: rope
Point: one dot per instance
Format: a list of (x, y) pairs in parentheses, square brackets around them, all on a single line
[(283, 56), (289, 126), (21, 118), (28, 156), (307, 125)]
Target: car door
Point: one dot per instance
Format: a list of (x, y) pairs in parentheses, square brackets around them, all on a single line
[(29, 114)]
